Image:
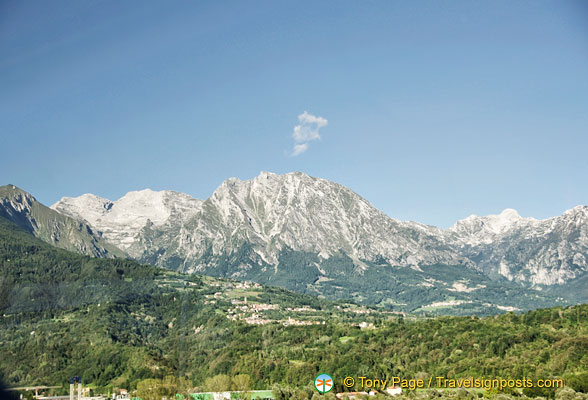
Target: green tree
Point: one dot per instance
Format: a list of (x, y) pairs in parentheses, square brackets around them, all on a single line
[(149, 389), (218, 383), (241, 382)]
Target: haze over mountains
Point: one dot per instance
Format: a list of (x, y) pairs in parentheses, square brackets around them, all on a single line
[(319, 237)]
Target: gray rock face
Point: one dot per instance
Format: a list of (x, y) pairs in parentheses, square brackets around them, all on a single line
[(127, 222), (273, 213), (526, 250)]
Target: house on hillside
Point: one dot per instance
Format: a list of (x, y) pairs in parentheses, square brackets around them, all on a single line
[(394, 390), (355, 395)]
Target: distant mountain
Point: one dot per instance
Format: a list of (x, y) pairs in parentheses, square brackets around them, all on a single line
[(317, 236), (123, 222), (534, 252), (52, 227), (270, 213)]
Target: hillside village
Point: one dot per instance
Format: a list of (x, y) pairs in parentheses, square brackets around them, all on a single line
[(245, 306)]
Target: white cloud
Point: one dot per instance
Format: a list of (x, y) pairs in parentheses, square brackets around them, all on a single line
[(306, 131), (300, 148)]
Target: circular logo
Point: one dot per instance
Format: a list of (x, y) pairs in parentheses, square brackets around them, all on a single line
[(323, 383)]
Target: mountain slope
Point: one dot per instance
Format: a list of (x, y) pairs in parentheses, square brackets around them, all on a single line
[(532, 252), (271, 213), (52, 227), (122, 221), (294, 211), (314, 236)]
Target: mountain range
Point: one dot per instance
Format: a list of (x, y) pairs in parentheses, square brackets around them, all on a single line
[(319, 237)]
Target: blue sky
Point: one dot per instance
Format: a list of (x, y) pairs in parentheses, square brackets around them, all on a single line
[(435, 109)]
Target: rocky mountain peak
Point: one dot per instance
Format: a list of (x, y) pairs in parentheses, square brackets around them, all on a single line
[(16, 196)]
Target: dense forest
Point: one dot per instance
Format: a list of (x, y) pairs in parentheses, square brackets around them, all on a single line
[(119, 324)]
